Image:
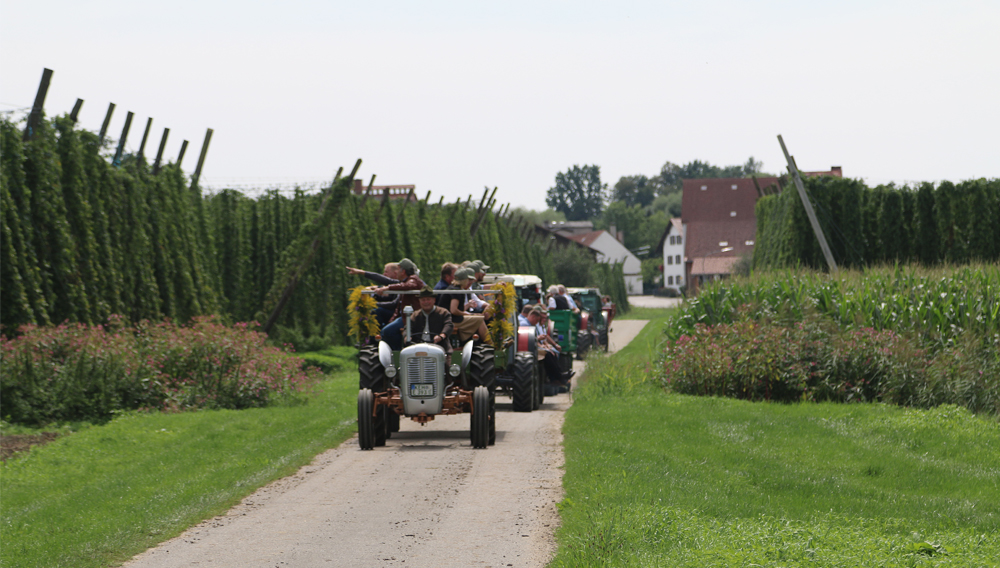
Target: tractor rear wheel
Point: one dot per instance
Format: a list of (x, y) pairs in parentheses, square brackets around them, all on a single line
[(480, 421), (366, 426), (523, 389), (481, 368), (370, 370)]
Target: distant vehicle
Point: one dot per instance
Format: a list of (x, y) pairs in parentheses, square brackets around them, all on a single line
[(597, 321)]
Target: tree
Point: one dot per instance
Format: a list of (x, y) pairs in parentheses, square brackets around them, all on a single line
[(578, 193), (634, 190), (672, 176)]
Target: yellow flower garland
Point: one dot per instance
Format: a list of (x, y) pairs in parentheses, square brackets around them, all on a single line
[(361, 323), (502, 306)]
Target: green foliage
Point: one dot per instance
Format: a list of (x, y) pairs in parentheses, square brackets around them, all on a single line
[(572, 265), (912, 337), (74, 372), (867, 226), (578, 193), (660, 479), (106, 493), (652, 271), (610, 278), (82, 240)]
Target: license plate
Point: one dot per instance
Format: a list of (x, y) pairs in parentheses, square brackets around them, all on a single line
[(421, 390)]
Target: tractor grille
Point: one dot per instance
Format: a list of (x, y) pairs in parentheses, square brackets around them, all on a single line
[(422, 370)]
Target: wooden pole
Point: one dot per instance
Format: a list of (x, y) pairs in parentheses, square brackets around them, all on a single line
[(35, 118), (428, 197), (485, 208), (145, 136), (201, 158), (385, 201), (441, 201), (368, 191), (794, 171), (159, 153), (107, 122), (76, 110), (121, 141), (180, 157), (286, 295)]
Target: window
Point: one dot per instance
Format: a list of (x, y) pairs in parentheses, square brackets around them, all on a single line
[(732, 213), (734, 186), (670, 260), (670, 280), (679, 282), (678, 239), (704, 187), (678, 261), (723, 243), (672, 240), (749, 243)]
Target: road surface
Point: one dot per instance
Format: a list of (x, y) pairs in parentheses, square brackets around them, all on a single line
[(426, 499)]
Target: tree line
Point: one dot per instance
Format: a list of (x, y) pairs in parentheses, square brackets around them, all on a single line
[(81, 239), (948, 223)]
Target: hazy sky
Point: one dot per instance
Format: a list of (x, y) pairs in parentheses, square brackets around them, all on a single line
[(455, 96)]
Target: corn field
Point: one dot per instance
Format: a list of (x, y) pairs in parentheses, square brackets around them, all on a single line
[(933, 304)]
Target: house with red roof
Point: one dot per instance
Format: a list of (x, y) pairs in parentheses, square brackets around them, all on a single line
[(719, 225)]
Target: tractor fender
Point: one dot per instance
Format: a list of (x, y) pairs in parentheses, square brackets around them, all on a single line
[(384, 354), (526, 339), (466, 354)]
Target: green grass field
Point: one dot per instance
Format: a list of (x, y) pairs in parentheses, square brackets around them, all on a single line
[(657, 479), (105, 493)]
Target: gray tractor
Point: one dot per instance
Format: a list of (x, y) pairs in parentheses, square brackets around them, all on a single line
[(421, 382)]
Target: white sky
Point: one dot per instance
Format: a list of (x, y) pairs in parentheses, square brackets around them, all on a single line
[(455, 96)]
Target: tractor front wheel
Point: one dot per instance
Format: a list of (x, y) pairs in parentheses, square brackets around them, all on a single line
[(480, 421), (366, 422)]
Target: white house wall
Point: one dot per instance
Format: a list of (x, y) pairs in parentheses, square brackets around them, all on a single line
[(609, 251), (673, 260)]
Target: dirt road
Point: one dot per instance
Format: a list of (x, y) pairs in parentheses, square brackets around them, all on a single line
[(425, 499)]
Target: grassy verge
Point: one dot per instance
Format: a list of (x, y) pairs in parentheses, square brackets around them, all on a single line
[(658, 479), (105, 493)]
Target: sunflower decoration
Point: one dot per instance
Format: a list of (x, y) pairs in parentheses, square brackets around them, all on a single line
[(502, 306), (362, 323)]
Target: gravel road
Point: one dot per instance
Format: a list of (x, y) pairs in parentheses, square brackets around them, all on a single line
[(425, 499)]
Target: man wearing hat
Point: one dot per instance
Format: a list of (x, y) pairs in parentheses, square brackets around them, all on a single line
[(392, 333), (430, 324)]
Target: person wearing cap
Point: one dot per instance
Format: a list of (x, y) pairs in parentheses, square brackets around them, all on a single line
[(392, 333), (466, 323), (431, 323)]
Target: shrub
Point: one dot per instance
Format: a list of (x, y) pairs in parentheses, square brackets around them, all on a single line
[(815, 360), (78, 372)]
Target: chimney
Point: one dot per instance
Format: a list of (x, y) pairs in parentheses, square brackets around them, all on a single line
[(358, 188), (621, 237), (835, 170), (614, 231)]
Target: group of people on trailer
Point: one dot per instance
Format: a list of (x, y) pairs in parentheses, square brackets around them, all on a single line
[(535, 315), (435, 317), (465, 313)]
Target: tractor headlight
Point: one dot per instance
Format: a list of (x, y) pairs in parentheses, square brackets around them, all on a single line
[(390, 371), (455, 370)]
